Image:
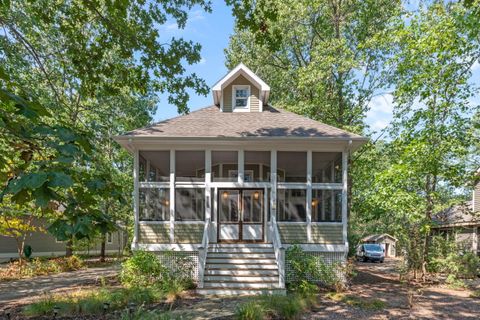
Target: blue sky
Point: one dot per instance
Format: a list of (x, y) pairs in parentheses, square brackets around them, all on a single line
[(212, 31)]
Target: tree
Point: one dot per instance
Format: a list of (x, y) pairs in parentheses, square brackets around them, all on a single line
[(72, 74), (320, 57), (431, 150)]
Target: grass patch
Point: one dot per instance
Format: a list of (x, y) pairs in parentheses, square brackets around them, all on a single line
[(275, 306), (143, 314), (91, 301), (357, 302)]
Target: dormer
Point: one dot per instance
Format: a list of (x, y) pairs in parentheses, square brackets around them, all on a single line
[(241, 90)]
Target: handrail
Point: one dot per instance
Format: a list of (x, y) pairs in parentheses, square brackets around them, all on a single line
[(202, 253), (279, 252)]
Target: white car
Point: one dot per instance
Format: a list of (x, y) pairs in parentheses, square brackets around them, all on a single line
[(370, 252)]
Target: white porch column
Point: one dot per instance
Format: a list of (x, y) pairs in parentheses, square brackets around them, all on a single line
[(136, 207), (309, 195), (172, 195), (241, 166), (273, 189), (208, 179), (344, 193)]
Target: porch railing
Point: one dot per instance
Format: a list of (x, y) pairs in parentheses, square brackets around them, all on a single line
[(202, 253), (279, 252)]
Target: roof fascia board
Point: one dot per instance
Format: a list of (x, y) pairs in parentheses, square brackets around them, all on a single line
[(240, 69)]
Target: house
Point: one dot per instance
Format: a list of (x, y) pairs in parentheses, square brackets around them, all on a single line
[(462, 222), (385, 240), (45, 245), (234, 184)]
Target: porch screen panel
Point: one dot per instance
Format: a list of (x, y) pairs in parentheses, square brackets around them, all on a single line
[(190, 166), (327, 167), (154, 204), (292, 166), (157, 163), (257, 166), (292, 205), (190, 204), (225, 166), (326, 205)]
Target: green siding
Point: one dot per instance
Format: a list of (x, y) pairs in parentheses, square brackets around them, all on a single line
[(293, 233), (321, 234), (327, 234), (154, 233), (188, 233)]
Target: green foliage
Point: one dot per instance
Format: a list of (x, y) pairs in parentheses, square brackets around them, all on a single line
[(447, 257), (141, 269), (250, 310), (144, 269), (91, 302), (306, 270), (290, 306), (40, 266)]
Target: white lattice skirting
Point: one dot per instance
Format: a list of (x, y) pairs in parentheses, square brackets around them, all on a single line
[(175, 259), (329, 258)]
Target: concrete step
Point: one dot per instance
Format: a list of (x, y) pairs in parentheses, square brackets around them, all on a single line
[(241, 285), (248, 266), (240, 260), (237, 272), (241, 255), (240, 292), (240, 245), (242, 278), (240, 249)]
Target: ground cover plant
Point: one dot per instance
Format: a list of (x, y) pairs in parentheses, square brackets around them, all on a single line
[(358, 302), (40, 266)]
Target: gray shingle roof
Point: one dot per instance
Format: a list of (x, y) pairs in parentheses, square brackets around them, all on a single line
[(209, 122), (460, 214)]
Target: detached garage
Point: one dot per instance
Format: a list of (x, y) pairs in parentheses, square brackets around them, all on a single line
[(385, 240)]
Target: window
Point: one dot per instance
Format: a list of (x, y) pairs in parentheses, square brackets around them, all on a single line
[(157, 163), (292, 205), (190, 204), (257, 163), (190, 166), (225, 166), (292, 166), (154, 204), (240, 97), (109, 238), (326, 205), (327, 167)]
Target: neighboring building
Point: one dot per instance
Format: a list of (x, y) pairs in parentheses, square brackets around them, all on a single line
[(385, 240), (45, 245), (233, 184), (462, 222)]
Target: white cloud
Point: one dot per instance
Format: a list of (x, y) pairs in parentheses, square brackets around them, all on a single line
[(173, 26), (381, 112), (202, 61), (197, 15), (475, 66)]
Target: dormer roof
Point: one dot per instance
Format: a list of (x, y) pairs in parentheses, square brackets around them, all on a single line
[(240, 70)]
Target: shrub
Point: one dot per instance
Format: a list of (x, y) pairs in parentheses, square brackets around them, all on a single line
[(141, 269), (251, 310), (305, 270)]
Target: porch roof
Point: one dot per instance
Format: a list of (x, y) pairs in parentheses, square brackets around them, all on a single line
[(210, 122)]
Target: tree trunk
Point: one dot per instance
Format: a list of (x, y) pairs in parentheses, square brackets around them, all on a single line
[(69, 248), (102, 248)]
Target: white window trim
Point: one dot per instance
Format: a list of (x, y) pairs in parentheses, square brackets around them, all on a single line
[(241, 109)]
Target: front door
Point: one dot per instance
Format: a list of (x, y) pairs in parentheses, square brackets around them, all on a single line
[(240, 215)]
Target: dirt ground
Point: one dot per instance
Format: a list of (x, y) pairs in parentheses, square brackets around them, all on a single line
[(373, 282), (376, 281)]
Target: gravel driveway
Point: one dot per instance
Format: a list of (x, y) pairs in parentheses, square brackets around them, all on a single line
[(25, 290)]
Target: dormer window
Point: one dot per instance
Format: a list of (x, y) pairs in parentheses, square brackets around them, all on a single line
[(241, 96)]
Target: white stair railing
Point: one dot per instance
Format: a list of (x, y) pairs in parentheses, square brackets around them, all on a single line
[(202, 253), (279, 252)]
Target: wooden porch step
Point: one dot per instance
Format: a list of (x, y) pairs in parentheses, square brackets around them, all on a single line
[(240, 291)]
